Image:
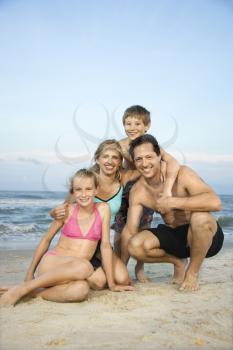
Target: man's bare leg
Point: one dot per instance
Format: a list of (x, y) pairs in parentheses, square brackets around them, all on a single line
[(139, 272), (201, 231), (145, 247)]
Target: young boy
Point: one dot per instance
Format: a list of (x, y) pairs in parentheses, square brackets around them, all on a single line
[(136, 121)]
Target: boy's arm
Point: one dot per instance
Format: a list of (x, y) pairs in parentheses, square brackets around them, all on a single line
[(127, 162), (172, 169), (42, 248), (129, 175), (106, 251), (125, 149), (200, 197)]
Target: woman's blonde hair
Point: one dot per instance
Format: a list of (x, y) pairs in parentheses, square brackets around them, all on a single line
[(84, 173), (110, 144)]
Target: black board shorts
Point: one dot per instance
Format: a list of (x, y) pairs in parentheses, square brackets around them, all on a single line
[(174, 240)]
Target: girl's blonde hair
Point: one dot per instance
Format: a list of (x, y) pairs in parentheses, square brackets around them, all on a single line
[(83, 173), (110, 144)]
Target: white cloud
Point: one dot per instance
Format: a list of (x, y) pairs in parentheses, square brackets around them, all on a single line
[(43, 158), (209, 158)]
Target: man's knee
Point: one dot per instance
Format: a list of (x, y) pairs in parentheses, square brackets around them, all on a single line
[(202, 221), (135, 247), (203, 225)]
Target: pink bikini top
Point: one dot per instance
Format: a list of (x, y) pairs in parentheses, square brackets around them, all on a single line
[(72, 229)]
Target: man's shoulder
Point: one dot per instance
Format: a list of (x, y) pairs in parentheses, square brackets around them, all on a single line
[(137, 190)]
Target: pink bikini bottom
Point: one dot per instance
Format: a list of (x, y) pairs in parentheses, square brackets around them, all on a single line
[(51, 252)]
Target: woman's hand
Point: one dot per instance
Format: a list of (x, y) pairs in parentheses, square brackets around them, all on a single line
[(60, 212)]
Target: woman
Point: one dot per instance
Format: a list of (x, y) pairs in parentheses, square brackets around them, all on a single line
[(112, 178), (66, 271)]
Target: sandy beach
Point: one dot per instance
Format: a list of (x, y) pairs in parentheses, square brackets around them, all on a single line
[(155, 316)]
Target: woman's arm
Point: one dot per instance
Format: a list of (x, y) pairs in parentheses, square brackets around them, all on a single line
[(60, 212), (172, 169), (42, 248), (106, 251)]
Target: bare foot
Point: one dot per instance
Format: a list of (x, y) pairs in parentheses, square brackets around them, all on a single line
[(179, 271), (190, 283), (11, 296), (131, 282), (139, 272)]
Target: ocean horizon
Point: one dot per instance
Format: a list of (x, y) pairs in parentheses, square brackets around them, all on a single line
[(24, 216)]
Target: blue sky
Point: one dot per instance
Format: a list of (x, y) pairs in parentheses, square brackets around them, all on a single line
[(70, 68)]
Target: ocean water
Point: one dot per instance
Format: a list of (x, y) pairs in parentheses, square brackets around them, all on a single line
[(24, 217)]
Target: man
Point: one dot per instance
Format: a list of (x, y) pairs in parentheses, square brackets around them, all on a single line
[(189, 230)]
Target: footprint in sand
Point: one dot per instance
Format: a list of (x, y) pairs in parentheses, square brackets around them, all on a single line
[(57, 342)]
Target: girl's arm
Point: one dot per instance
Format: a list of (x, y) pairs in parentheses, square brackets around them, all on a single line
[(106, 250), (172, 169), (42, 248)]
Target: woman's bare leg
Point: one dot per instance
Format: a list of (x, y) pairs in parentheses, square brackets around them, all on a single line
[(97, 280), (120, 272)]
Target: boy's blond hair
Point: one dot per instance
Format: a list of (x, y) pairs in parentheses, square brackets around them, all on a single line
[(137, 112)]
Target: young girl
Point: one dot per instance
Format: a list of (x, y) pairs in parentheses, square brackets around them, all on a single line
[(111, 179), (65, 272)]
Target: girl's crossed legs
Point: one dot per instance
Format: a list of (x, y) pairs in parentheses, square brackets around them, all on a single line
[(62, 277)]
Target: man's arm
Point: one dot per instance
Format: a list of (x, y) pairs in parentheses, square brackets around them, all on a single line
[(200, 197), (131, 228)]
